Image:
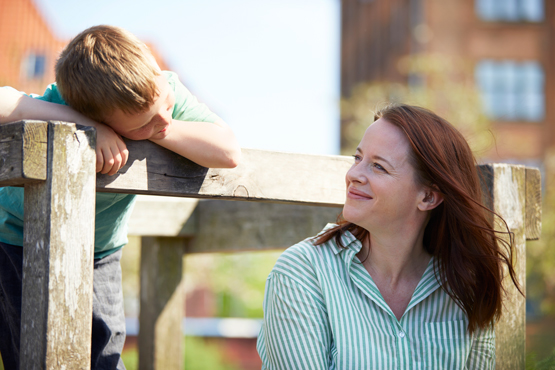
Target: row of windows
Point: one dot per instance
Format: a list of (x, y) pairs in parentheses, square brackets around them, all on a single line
[(510, 10), (512, 91)]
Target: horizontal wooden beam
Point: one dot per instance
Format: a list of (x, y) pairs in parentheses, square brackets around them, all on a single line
[(261, 176), (23, 152), (247, 226), (223, 226), (163, 216)]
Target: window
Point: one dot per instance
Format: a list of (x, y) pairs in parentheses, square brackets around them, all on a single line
[(510, 10), (512, 91), (33, 66)]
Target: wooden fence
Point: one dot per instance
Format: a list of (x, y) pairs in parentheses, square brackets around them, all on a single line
[(55, 162)]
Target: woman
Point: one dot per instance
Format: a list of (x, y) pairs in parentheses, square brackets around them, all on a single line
[(410, 278)]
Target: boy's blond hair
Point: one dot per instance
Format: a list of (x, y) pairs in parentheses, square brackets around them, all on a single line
[(105, 68)]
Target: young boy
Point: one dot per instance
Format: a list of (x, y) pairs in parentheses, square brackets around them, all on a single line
[(105, 78)]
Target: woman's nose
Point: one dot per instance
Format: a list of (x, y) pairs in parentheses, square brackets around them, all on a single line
[(355, 174)]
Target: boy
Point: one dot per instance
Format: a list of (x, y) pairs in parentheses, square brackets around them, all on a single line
[(109, 80)]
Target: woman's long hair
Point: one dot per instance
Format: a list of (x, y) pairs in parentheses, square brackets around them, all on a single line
[(459, 233)]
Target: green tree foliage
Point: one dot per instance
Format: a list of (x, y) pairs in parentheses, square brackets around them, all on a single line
[(441, 84)]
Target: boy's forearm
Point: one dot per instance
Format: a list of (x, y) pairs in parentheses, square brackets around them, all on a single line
[(9, 100), (209, 144), (15, 107), (111, 152)]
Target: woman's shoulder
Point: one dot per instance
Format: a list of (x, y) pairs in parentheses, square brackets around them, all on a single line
[(299, 256), (305, 258)]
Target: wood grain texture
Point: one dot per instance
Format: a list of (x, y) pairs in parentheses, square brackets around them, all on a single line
[(248, 226), (22, 152), (533, 204), (162, 216), (261, 176), (58, 255), (162, 300), (508, 185), (240, 225)]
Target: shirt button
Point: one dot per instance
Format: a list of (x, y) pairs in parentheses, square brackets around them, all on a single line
[(401, 334)]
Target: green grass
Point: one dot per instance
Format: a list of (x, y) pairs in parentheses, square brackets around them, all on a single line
[(547, 363), (198, 356)]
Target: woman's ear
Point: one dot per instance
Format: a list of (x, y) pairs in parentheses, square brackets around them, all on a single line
[(431, 198)]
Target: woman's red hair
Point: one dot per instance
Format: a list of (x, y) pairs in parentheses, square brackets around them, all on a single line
[(459, 233)]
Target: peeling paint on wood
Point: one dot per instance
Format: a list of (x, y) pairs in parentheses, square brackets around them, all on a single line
[(533, 204), (509, 201), (58, 255)]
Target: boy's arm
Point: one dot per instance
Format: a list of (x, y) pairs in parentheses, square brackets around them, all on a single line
[(111, 151), (208, 144)]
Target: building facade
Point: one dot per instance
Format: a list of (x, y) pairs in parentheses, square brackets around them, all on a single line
[(510, 44), (29, 48)]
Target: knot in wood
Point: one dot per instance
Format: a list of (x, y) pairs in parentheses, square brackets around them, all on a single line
[(241, 191)]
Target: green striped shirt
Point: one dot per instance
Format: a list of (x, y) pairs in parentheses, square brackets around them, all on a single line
[(322, 310)]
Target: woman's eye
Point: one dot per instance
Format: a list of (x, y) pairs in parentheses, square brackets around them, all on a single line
[(357, 158), (378, 166)]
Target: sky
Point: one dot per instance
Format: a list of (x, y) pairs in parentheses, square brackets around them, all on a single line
[(269, 68)]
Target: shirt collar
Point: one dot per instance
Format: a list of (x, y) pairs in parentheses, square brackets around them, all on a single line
[(348, 241)]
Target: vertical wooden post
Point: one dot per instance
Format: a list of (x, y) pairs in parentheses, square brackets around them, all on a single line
[(162, 303), (58, 254), (507, 188)]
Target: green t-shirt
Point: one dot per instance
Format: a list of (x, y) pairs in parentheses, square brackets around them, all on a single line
[(112, 210)]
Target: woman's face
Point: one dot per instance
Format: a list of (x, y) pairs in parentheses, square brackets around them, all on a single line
[(382, 194)]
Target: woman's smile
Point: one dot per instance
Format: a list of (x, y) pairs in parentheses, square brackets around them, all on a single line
[(354, 193)]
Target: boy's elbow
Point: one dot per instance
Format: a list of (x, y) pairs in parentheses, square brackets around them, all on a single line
[(233, 158)]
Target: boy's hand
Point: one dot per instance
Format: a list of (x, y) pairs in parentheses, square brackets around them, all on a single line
[(111, 151)]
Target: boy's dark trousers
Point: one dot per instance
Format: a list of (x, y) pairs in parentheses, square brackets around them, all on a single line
[(108, 326)]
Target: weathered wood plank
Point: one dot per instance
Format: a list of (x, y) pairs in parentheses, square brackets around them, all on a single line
[(22, 152), (240, 226), (224, 226), (533, 204), (507, 186), (162, 302), (162, 216), (58, 254), (261, 176)]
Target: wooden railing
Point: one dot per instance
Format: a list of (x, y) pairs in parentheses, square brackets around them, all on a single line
[(295, 196)]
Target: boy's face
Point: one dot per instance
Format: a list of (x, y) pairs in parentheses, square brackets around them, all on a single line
[(154, 123)]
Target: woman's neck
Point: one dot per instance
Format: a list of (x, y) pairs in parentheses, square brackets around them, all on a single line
[(396, 266), (394, 259)]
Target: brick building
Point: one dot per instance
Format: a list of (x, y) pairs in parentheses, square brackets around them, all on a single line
[(511, 45), (29, 48)]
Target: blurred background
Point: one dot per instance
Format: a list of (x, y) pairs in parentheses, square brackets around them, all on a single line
[(304, 76)]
